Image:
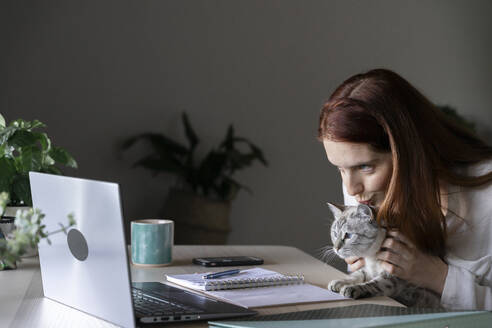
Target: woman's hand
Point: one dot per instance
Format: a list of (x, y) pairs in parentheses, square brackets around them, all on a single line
[(355, 263), (401, 258)]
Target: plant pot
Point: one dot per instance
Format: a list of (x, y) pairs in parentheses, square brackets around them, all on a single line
[(7, 226), (198, 220)]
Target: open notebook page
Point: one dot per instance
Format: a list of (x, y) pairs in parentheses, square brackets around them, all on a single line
[(276, 295)]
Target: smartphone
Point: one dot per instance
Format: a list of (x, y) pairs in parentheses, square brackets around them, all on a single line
[(227, 261)]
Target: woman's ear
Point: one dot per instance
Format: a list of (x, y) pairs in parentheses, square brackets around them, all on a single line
[(336, 210)]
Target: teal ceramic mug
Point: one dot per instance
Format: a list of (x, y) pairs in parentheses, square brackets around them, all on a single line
[(152, 242)]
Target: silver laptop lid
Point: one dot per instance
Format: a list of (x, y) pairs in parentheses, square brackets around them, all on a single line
[(91, 274)]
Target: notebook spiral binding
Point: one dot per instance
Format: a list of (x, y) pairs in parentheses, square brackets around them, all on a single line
[(252, 283)]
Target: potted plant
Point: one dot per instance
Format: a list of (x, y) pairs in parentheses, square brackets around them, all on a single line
[(200, 202), (22, 149), (29, 231)]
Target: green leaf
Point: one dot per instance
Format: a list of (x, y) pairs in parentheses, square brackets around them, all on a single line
[(162, 144), (21, 189), (239, 161), (44, 141), (6, 133), (27, 125), (2, 122), (255, 150), (211, 168), (48, 161), (22, 139), (228, 142), (31, 159), (258, 154), (52, 170), (37, 124), (190, 133), (7, 172), (61, 156)]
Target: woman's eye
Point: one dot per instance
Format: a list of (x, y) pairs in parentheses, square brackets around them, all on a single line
[(365, 168)]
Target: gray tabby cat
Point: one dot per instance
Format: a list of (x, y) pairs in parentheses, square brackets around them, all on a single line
[(355, 232)]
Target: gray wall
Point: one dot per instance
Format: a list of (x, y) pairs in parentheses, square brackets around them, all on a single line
[(98, 71)]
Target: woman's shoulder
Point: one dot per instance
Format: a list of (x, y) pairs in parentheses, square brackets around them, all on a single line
[(468, 202)]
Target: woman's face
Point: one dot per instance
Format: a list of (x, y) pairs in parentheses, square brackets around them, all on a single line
[(365, 173)]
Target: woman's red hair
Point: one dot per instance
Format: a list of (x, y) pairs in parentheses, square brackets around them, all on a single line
[(382, 109)]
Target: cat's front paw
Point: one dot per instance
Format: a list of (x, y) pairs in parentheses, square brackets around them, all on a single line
[(351, 291), (336, 285)]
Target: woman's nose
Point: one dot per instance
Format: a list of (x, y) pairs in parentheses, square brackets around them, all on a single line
[(353, 185)]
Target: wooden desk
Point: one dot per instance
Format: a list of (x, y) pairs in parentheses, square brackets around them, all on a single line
[(22, 303)]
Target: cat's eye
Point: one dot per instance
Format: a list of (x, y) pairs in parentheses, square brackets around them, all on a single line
[(347, 235)]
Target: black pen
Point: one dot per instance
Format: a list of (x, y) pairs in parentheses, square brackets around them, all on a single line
[(221, 274)]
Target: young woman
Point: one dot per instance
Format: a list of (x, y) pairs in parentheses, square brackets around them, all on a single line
[(429, 178)]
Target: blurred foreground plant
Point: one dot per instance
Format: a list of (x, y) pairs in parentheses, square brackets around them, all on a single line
[(29, 231)]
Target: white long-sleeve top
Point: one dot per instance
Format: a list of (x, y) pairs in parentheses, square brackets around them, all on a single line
[(469, 246), (468, 283)]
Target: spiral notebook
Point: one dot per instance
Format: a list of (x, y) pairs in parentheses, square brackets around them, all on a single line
[(250, 278), (256, 287)]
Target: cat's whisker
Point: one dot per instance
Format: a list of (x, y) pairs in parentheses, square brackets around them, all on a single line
[(322, 255), (327, 254), (322, 250), (330, 257)]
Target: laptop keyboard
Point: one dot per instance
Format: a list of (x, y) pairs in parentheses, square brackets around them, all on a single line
[(149, 306)]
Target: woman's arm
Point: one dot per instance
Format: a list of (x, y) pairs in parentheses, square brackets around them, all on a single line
[(459, 288), (402, 259)]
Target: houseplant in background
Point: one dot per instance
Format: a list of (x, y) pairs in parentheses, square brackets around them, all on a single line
[(24, 148), (200, 202)]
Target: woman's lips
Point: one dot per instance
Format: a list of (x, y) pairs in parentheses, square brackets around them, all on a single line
[(366, 202)]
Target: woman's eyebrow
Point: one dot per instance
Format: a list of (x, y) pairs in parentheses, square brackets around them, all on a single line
[(370, 162)]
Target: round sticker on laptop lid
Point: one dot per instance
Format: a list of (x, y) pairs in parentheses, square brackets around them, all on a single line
[(77, 244)]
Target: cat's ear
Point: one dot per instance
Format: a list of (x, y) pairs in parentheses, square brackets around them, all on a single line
[(364, 210), (336, 210)]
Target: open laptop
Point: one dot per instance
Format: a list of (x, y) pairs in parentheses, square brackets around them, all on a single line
[(87, 268)]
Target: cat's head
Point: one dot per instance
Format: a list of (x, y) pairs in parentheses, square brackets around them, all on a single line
[(355, 232)]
